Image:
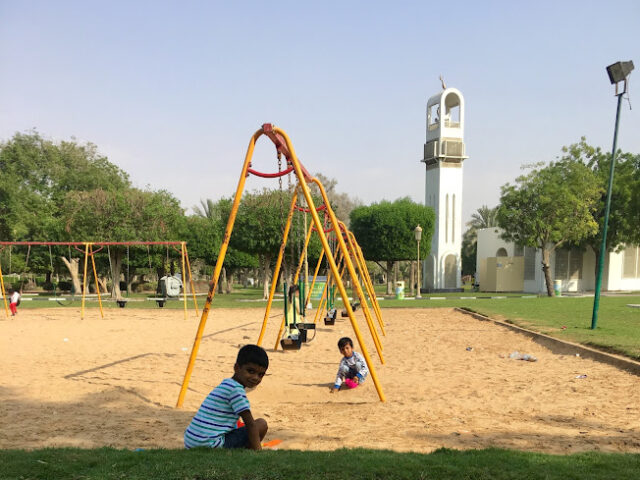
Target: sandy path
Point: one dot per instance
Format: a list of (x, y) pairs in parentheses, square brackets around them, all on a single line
[(115, 382)]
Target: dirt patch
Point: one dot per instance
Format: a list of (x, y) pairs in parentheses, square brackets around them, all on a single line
[(447, 378)]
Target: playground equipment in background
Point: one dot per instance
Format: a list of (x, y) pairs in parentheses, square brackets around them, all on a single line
[(338, 257), (284, 147), (89, 253), (170, 287), (295, 332)]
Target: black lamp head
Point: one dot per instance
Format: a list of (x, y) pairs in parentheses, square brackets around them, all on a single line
[(619, 71)]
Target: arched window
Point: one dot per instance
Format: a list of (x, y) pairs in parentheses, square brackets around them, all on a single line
[(450, 271), (502, 252)]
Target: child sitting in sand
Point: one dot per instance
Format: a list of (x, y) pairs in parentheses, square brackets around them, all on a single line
[(353, 367), (214, 425)]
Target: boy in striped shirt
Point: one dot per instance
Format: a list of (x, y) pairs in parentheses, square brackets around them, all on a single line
[(214, 425)]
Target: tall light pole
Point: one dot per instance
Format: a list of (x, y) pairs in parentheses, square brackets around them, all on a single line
[(617, 72), (418, 233)]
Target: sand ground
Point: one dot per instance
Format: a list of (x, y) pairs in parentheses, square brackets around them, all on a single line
[(114, 382)]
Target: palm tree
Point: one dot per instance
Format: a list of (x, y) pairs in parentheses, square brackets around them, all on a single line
[(207, 210), (484, 217)]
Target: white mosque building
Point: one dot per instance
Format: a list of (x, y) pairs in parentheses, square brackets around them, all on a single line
[(444, 154), (503, 266)]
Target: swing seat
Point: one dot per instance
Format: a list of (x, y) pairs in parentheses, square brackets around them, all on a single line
[(330, 319), (121, 303), (303, 328), (290, 343), (354, 307)]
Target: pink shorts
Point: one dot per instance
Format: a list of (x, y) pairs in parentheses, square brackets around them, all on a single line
[(350, 383)]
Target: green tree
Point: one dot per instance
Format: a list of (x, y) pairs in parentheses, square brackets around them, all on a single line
[(36, 176), (385, 231), (121, 216), (624, 215), (259, 227), (550, 207), (341, 203), (212, 218)]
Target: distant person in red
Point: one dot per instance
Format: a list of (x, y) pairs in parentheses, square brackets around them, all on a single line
[(14, 301)]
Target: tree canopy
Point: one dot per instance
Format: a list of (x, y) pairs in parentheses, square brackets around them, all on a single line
[(385, 230), (624, 215), (36, 176), (550, 207)]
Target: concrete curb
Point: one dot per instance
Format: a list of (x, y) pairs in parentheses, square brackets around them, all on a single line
[(563, 347)]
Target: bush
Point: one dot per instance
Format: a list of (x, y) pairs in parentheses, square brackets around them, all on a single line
[(48, 286), (65, 286), (144, 287)]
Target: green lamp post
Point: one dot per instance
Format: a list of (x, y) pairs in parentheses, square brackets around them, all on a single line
[(618, 73)]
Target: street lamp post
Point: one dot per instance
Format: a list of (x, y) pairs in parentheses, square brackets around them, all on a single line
[(617, 72), (418, 233)]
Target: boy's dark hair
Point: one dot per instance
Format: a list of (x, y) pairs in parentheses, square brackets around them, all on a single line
[(253, 354), (344, 341)]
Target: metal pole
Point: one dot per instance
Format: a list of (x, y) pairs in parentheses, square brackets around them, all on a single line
[(418, 292), (603, 245), (4, 293)]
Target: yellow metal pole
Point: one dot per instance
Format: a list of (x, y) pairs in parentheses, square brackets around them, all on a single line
[(193, 288), (363, 276), (363, 299), (276, 272), (315, 276), (324, 300), (372, 296), (4, 293), (303, 254), (218, 267), (374, 299), (332, 265), (321, 303), (95, 278), (84, 278), (184, 279)]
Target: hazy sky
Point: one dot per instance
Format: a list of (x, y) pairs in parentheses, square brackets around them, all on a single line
[(172, 91)]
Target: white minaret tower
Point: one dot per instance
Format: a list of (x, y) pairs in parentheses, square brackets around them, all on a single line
[(443, 157)]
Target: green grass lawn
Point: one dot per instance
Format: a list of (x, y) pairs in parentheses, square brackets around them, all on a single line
[(108, 464), (618, 328)]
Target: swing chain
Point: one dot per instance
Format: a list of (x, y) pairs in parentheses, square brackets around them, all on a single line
[(279, 170)]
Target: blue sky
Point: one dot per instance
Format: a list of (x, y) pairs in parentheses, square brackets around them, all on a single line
[(172, 91)]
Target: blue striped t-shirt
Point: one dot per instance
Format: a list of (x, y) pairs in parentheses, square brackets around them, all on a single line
[(217, 415)]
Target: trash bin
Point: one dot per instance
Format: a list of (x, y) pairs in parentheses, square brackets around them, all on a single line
[(399, 290), (557, 287)]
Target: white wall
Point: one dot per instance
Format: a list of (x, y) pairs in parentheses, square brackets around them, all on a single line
[(489, 242)]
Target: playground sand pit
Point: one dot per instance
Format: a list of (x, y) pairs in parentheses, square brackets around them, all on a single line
[(448, 381)]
